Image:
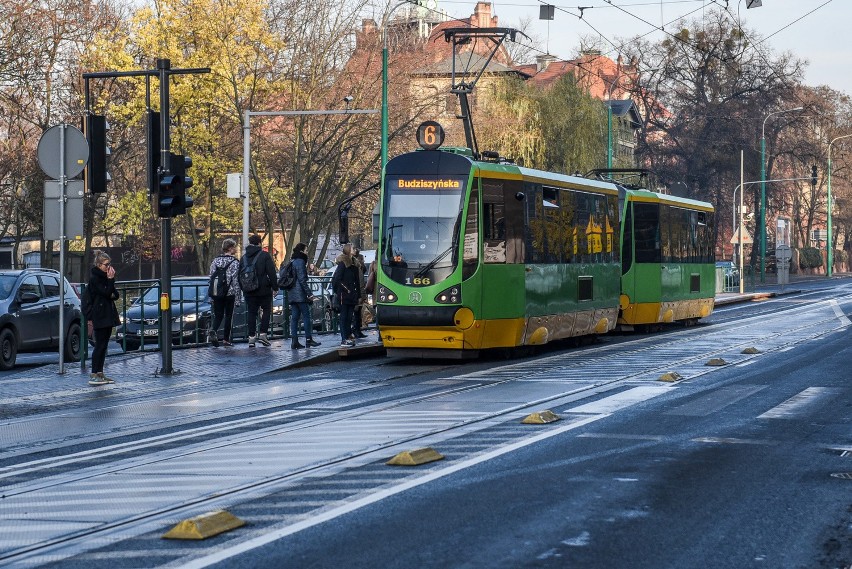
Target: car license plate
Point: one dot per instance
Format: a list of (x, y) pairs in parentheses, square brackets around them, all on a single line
[(152, 332)]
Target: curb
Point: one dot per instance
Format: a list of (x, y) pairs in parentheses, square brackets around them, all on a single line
[(753, 296)]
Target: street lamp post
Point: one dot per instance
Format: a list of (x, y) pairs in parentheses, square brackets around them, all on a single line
[(763, 191), (385, 81), (830, 247)]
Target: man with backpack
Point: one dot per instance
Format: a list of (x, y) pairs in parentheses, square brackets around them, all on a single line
[(299, 296), (224, 291), (259, 283)]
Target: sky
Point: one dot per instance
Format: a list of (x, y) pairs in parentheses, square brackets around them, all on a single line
[(816, 30)]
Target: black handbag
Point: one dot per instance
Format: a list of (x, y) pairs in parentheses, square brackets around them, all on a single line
[(335, 302)]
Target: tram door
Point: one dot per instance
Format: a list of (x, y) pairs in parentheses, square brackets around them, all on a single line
[(503, 248)]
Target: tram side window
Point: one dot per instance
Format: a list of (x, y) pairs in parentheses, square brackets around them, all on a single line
[(646, 223), (680, 232), (567, 213), (534, 231), (665, 235), (578, 232), (515, 223), (694, 249), (611, 229), (704, 238), (627, 242), (470, 256), (493, 221), (552, 246)]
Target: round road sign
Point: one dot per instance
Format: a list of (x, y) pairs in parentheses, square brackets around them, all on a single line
[(76, 151)]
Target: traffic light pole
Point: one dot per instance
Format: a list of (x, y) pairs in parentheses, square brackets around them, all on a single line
[(163, 71), (163, 66)]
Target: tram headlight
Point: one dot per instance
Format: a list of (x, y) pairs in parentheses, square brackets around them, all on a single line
[(387, 295), (450, 295)]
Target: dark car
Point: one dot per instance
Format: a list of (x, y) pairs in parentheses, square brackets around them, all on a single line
[(30, 301), (191, 314), (323, 317)]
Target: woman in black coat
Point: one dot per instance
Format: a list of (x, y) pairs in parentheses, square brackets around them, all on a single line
[(346, 283), (101, 313)]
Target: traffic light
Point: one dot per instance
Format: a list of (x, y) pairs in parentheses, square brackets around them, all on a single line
[(152, 140), (813, 175), (171, 200), (96, 174), (180, 164)]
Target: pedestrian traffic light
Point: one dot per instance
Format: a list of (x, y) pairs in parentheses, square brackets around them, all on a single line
[(96, 174), (171, 200), (813, 175)]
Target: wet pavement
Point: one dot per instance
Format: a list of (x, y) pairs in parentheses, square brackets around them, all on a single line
[(188, 364)]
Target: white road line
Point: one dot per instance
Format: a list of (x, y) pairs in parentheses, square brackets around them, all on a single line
[(627, 436), (220, 556), (732, 441), (793, 406), (620, 400), (837, 310)]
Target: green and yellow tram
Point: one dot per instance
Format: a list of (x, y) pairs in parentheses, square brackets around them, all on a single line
[(668, 259), (479, 254)]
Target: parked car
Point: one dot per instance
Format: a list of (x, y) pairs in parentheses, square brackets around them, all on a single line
[(29, 315), (730, 272), (322, 316), (326, 267), (191, 315)]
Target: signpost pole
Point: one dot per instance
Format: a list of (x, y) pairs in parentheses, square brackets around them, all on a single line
[(63, 180), (63, 152)]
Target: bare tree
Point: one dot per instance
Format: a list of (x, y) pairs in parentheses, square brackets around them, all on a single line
[(704, 92)]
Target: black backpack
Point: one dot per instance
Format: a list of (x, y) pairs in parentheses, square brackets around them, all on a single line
[(287, 276), (248, 276), (219, 281)]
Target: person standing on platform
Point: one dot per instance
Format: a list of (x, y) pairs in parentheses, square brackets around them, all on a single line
[(357, 322), (258, 299), (300, 298), (101, 313), (223, 306), (345, 283)]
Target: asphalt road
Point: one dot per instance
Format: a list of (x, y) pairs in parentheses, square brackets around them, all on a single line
[(748, 464), (730, 472)]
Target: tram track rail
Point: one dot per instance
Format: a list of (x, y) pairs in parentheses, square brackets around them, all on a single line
[(576, 375)]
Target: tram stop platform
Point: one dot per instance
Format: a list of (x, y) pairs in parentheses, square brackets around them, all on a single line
[(770, 289), (190, 363)]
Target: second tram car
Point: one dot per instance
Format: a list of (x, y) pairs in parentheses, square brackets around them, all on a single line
[(667, 258)]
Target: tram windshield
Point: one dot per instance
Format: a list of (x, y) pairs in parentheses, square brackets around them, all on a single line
[(421, 227)]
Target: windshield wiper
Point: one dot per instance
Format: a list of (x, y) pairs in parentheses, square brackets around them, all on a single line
[(453, 246), (431, 265)]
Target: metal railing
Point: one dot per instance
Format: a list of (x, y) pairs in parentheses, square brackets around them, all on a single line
[(730, 282), (192, 315)]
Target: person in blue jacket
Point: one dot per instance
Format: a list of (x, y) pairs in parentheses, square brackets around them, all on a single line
[(300, 298)]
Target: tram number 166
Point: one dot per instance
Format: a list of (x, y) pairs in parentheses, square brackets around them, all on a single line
[(418, 281), (430, 135)]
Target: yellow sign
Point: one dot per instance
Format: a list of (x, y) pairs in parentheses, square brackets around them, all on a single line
[(735, 240)]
